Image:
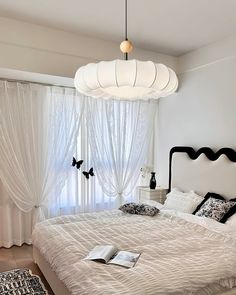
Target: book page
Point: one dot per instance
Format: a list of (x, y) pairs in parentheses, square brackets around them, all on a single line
[(102, 253), (125, 258)]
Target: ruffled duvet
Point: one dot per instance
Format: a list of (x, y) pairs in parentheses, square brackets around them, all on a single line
[(181, 253)]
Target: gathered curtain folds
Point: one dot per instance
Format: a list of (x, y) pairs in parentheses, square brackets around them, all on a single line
[(41, 129), (38, 129), (119, 137)]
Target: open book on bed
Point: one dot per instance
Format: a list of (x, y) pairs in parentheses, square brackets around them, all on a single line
[(111, 255)]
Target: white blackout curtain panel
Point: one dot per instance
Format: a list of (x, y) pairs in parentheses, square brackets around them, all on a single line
[(119, 137), (38, 132)]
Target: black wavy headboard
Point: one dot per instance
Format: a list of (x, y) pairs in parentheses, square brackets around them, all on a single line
[(210, 154)]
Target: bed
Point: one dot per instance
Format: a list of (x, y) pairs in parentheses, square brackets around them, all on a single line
[(181, 253)]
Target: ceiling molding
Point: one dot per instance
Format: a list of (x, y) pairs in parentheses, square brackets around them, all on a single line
[(208, 55)]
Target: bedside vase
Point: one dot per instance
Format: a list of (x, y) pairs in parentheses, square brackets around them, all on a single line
[(153, 182)]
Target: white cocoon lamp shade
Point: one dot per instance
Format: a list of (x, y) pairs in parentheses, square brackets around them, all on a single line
[(126, 79)]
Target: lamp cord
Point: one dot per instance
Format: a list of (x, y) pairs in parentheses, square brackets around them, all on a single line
[(126, 27), (126, 23)]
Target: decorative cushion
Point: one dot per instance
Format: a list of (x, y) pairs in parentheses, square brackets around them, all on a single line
[(216, 207), (128, 208), (230, 213), (140, 209), (183, 202), (144, 209), (207, 196)]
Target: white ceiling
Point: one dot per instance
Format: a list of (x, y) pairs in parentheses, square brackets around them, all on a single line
[(167, 26)]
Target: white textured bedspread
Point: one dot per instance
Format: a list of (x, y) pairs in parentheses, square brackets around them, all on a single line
[(178, 256)]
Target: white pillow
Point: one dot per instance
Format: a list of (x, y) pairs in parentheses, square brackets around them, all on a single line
[(183, 202)]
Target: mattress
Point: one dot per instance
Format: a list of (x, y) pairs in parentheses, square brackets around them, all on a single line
[(181, 253)]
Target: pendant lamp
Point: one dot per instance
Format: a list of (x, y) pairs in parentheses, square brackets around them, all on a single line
[(126, 79)]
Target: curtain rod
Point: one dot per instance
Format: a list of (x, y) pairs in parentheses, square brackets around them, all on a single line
[(32, 82)]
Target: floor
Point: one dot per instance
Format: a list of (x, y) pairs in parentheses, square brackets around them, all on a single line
[(21, 257)]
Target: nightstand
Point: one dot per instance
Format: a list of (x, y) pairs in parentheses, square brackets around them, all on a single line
[(145, 193)]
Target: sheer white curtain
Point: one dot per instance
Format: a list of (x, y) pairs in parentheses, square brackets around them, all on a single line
[(38, 131), (39, 124), (80, 194), (119, 137), (15, 225)]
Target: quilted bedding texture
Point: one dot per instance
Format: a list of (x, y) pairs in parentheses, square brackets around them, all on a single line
[(178, 256)]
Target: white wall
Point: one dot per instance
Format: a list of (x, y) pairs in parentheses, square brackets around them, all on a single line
[(34, 48), (203, 112)]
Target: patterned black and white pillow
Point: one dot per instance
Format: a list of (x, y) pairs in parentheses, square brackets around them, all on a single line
[(144, 209), (128, 208), (140, 209), (216, 207)]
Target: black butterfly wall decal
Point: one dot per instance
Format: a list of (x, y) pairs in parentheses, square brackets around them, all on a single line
[(90, 172), (77, 163)]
